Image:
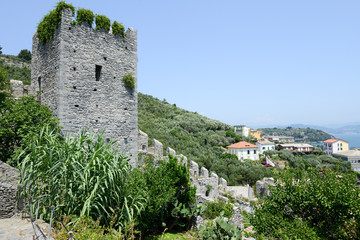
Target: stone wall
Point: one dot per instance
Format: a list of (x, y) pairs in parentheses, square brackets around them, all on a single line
[(18, 89), (9, 178), (208, 185), (79, 76)]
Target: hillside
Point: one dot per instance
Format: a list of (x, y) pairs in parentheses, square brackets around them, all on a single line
[(16, 68), (300, 134), (189, 133)]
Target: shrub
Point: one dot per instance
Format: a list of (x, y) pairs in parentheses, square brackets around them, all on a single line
[(167, 187), (219, 229), (118, 29), (48, 25), (129, 81), (19, 121), (82, 175), (102, 22), (311, 205), (214, 209), (85, 16), (25, 55)]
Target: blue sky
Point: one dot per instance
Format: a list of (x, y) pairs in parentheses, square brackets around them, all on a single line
[(259, 63)]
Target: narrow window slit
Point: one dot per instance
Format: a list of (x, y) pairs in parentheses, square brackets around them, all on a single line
[(98, 72)]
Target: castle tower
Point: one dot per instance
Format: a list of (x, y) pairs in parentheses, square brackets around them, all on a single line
[(79, 76)]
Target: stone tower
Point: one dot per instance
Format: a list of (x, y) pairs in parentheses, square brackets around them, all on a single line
[(79, 76)]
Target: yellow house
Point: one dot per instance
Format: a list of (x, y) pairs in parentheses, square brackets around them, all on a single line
[(256, 134)]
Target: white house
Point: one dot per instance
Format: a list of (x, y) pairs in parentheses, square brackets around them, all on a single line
[(244, 150), (335, 145), (241, 130), (265, 146)]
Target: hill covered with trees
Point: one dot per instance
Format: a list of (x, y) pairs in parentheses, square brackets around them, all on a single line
[(300, 134)]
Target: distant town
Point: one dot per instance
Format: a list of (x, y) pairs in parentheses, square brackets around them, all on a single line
[(257, 143)]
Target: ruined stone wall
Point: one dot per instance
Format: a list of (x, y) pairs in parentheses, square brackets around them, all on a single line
[(208, 185), (9, 178), (79, 76)]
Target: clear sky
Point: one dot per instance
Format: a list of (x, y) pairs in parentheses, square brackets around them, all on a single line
[(253, 62)]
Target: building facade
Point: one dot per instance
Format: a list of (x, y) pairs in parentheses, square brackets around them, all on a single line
[(352, 156), (244, 150), (335, 145), (242, 130), (79, 76), (296, 147), (257, 134), (265, 146)]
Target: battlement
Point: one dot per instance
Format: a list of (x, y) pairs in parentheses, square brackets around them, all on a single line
[(208, 184), (78, 75)]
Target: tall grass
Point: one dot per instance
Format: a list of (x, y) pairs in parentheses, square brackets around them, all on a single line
[(82, 175)]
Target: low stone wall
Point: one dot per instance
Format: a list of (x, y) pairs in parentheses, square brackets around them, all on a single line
[(208, 185), (7, 200), (9, 178)]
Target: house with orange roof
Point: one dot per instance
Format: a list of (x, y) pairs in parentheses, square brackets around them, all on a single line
[(244, 150), (334, 145)]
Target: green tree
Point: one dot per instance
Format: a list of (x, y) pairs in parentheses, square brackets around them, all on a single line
[(0, 50), (25, 55), (19, 120), (311, 205)]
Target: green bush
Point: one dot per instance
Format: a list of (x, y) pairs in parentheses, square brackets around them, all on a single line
[(118, 29), (25, 55), (167, 187), (213, 209), (219, 230), (19, 121), (48, 25), (4, 85), (311, 205), (82, 176), (85, 16), (129, 81), (102, 22)]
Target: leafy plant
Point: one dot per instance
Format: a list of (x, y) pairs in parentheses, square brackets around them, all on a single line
[(48, 25), (311, 205), (129, 81), (25, 55), (4, 85), (84, 16), (167, 187), (102, 22), (213, 209), (118, 29), (82, 175), (219, 229), (20, 121)]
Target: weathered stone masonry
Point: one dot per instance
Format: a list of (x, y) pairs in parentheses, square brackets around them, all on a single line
[(9, 178), (79, 76)]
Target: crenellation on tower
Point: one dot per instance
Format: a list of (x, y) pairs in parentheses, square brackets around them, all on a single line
[(79, 76)]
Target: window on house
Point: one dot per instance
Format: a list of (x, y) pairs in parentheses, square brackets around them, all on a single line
[(98, 72), (248, 151), (254, 151)]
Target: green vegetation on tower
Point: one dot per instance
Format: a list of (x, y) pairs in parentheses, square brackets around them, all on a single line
[(102, 22), (118, 29), (84, 16)]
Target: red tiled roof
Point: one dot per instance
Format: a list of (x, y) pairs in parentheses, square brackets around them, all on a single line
[(242, 145), (223, 148), (332, 140)]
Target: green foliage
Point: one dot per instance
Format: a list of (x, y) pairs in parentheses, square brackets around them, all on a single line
[(84, 228), (0, 50), (237, 172), (213, 209), (129, 81), (19, 121), (166, 187), (189, 133), (25, 55), (311, 205), (118, 29), (219, 230), (102, 22), (85, 16), (4, 85), (301, 134), (48, 25), (82, 175)]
